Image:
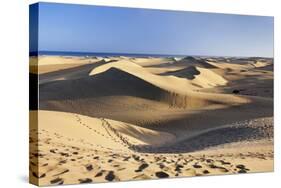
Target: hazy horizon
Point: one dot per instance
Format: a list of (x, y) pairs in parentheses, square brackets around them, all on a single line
[(81, 53), (102, 29)]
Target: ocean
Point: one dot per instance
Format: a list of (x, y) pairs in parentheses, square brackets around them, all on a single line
[(99, 54)]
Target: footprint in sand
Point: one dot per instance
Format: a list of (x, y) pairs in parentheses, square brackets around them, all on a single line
[(161, 165), (142, 167), (64, 154), (110, 176), (178, 167), (197, 166), (46, 164), (242, 171), (126, 158), (63, 172), (89, 167), (86, 180), (36, 176), (58, 181), (206, 172), (224, 162), (242, 168), (62, 162), (120, 169), (161, 174), (99, 174), (141, 177)]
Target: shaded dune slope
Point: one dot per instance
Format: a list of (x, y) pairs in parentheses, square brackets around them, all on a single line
[(113, 82), (202, 77), (247, 130), (189, 73)]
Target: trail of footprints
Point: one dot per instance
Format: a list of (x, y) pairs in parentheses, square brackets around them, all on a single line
[(118, 138), (146, 166), (35, 153), (112, 133)]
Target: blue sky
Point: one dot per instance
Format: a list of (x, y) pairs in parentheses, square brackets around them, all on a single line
[(85, 28)]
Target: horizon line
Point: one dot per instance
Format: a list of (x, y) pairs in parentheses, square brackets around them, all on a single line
[(147, 54)]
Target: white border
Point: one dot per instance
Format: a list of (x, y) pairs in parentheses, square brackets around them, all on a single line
[(14, 90)]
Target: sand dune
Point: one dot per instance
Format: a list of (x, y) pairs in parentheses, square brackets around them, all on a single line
[(189, 72), (197, 62), (56, 60), (46, 64), (176, 85), (202, 77), (150, 62), (131, 133), (166, 83), (127, 92), (145, 118), (70, 73), (246, 78), (89, 96), (267, 68), (232, 66), (259, 64), (208, 79), (180, 62)]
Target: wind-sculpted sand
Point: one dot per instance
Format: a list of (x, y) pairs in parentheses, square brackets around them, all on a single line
[(129, 118), (47, 64)]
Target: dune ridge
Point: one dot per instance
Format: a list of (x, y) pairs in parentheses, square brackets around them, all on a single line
[(175, 84)]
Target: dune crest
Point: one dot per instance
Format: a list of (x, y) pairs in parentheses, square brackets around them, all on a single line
[(167, 83), (201, 77), (208, 79), (178, 86)]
